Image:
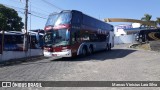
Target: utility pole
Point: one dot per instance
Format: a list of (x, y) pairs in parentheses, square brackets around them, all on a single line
[(2, 43), (25, 46)]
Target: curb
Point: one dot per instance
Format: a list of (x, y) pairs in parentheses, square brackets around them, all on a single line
[(21, 60)]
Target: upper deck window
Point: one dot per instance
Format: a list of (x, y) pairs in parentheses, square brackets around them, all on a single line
[(58, 19), (52, 19)]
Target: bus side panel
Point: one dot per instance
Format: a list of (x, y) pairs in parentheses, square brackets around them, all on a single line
[(111, 39)]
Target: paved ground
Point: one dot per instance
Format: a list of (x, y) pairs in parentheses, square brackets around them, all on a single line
[(120, 64), (155, 45)]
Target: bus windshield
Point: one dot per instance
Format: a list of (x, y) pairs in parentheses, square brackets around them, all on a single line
[(57, 38), (57, 19)]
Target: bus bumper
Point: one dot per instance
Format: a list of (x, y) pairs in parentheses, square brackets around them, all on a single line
[(58, 54)]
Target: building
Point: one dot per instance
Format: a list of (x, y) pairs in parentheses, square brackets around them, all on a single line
[(125, 33)]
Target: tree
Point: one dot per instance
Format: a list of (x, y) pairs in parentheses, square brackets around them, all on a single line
[(2, 22), (2, 27), (10, 19), (158, 21), (147, 18)]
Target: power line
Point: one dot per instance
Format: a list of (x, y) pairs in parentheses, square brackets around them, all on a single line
[(24, 9), (13, 7), (32, 15), (18, 1), (20, 12), (39, 8), (38, 13), (38, 16), (52, 5)]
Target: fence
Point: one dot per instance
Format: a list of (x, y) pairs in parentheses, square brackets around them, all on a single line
[(13, 55), (124, 39)]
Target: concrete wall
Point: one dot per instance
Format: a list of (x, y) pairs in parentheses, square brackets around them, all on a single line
[(8, 55), (124, 39)]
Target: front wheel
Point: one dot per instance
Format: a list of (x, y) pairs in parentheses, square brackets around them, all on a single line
[(109, 47), (84, 51)]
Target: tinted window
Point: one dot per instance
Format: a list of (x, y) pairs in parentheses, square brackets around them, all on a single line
[(101, 37), (77, 17), (52, 19), (60, 18), (13, 39), (93, 37), (64, 18)]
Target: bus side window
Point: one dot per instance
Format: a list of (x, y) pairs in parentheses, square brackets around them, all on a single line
[(101, 38), (93, 37), (75, 37), (14, 39), (8, 39), (85, 37)]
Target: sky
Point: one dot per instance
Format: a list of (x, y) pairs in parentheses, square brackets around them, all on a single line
[(99, 9)]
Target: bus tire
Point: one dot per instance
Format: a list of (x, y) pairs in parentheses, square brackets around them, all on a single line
[(110, 47), (91, 49), (107, 47), (140, 40), (84, 51)]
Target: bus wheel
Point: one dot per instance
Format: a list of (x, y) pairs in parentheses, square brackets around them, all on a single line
[(91, 50), (84, 51), (140, 40), (107, 47)]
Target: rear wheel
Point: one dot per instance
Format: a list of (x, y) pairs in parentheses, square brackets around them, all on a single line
[(91, 50), (140, 40), (107, 47)]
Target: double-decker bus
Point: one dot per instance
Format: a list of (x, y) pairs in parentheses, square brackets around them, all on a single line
[(71, 33)]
